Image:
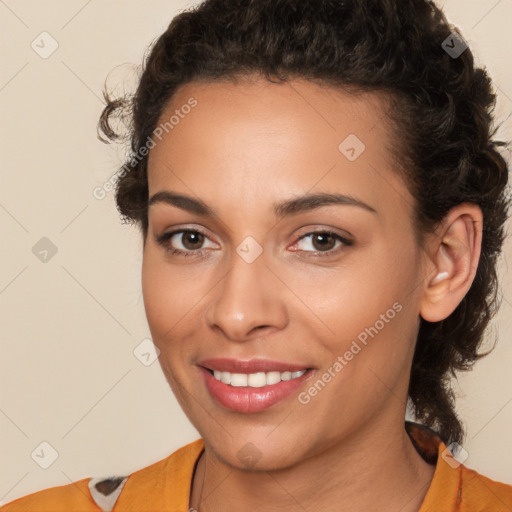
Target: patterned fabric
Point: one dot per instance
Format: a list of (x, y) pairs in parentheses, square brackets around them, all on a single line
[(424, 440), (105, 491)]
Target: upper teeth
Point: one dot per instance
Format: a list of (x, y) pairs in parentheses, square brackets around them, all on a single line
[(255, 380)]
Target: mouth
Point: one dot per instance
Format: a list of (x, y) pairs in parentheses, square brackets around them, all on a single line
[(252, 386)]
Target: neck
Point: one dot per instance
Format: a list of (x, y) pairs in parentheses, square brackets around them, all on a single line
[(377, 465)]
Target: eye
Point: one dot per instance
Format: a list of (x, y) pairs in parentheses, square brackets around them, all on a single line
[(186, 242), (323, 243)]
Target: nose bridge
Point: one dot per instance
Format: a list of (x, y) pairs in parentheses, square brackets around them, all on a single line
[(248, 297)]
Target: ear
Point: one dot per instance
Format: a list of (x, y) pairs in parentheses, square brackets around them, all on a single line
[(454, 252)]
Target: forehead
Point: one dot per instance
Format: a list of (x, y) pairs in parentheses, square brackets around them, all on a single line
[(253, 135)]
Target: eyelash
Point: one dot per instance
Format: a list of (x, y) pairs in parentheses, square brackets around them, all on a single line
[(163, 240)]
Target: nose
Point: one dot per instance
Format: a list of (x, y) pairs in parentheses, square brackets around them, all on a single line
[(248, 302)]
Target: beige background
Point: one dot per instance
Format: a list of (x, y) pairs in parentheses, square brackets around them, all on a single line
[(68, 373)]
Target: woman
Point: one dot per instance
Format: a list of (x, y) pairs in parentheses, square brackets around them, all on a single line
[(322, 208)]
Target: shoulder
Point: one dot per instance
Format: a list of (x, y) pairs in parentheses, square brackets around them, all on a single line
[(479, 493), (86, 495), (455, 487), (74, 496), (145, 487)]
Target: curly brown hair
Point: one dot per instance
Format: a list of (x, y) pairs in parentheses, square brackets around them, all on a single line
[(440, 106)]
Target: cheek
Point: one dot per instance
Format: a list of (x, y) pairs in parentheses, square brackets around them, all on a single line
[(360, 291), (169, 295), (157, 294), (373, 304), (168, 304)]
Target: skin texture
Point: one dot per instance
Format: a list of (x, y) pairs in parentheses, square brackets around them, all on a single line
[(244, 147)]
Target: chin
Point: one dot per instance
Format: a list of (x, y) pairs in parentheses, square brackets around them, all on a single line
[(257, 452)]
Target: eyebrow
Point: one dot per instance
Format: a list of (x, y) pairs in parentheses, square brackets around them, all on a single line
[(286, 208)]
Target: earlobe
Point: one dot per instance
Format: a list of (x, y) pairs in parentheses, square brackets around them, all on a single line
[(455, 255)]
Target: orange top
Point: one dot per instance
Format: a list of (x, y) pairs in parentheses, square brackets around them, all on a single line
[(165, 486)]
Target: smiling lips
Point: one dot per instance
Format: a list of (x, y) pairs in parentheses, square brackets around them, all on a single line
[(251, 386)]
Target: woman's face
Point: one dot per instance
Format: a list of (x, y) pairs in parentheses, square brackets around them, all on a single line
[(254, 281)]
